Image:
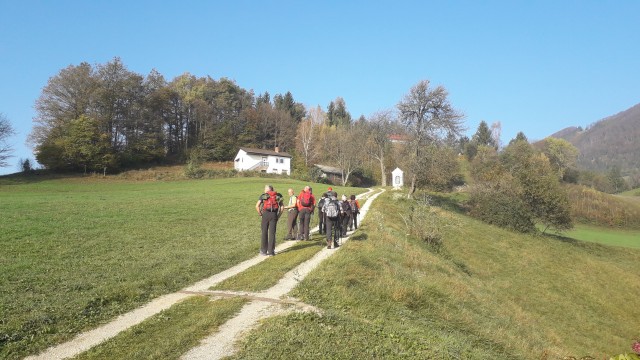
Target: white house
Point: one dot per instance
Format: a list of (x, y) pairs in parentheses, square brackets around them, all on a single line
[(397, 178), (269, 161)]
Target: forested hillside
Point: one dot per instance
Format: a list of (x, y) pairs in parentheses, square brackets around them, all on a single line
[(95, 117), (612, 141)]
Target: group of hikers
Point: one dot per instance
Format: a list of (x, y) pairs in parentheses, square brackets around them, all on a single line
[(335, 216)]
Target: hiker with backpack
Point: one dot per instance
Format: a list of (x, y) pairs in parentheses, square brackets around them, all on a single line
[(345, 215), (269, 207), (355, 211), (306, 205), (292, 216), (332, 220), (321, 221)]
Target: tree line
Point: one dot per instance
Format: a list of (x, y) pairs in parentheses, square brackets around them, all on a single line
[(101, 117), (106, 118)]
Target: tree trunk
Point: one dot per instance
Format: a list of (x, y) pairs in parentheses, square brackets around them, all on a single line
[(383, 172), (412, 189)]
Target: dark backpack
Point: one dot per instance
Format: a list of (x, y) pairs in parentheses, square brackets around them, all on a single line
[(345, 206), (305, 199), (331, 208), (321, 204), (271, 200)]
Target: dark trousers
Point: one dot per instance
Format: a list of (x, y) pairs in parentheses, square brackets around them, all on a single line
[(268, 240), (354, 220), (333, 226), (321, 223), (292, 224), (305, 217), (346, 218)]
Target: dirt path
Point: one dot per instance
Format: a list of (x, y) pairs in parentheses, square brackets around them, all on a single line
[(221, 344), (265, 304)]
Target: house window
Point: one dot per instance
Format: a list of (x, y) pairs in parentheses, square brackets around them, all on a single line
[(397, 179), (264, 161)]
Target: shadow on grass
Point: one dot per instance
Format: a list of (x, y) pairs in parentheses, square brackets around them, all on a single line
[(34, 176), (301, 245), (361, 236), (587, 245), (448, 203)]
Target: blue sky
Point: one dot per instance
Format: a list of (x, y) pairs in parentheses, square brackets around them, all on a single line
[(535, 66)]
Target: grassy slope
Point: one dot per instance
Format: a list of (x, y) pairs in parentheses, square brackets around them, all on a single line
[(77, 252), (593, 207), (486, 293), (634, 193)]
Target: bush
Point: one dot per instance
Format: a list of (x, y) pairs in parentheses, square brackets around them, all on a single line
[(501, 206), (423, 223)]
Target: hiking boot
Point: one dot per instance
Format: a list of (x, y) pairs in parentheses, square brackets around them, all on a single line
[(335, 244), (328, 244)]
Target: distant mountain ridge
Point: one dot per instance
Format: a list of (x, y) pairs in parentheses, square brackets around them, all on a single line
[(612, 141)]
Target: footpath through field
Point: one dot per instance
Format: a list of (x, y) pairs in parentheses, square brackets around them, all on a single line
[(220, 344)]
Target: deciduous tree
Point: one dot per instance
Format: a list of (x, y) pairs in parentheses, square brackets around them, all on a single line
[(6, 131), (429, 117), (308, 133), (67, 95), (379, 129), (343, 149), (562, 154)]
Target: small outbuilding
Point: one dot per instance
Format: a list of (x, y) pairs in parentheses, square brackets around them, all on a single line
[(333, 174), (267, 161), (397, 178)]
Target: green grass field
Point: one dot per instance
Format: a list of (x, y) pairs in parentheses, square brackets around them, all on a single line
[(631, 193), (77, 252), (485, 293), (607, 236)]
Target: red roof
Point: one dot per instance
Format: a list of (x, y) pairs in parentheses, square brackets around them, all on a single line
[(398, 137)]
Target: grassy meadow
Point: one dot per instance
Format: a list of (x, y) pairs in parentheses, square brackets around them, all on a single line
[(607, 236), (483, 293), (79, 251)]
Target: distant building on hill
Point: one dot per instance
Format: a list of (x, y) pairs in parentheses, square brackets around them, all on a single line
[(333, 174), (267, 161), (398, 139)]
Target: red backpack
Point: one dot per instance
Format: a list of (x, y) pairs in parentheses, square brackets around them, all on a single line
[(271, 202), (305, 199)]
